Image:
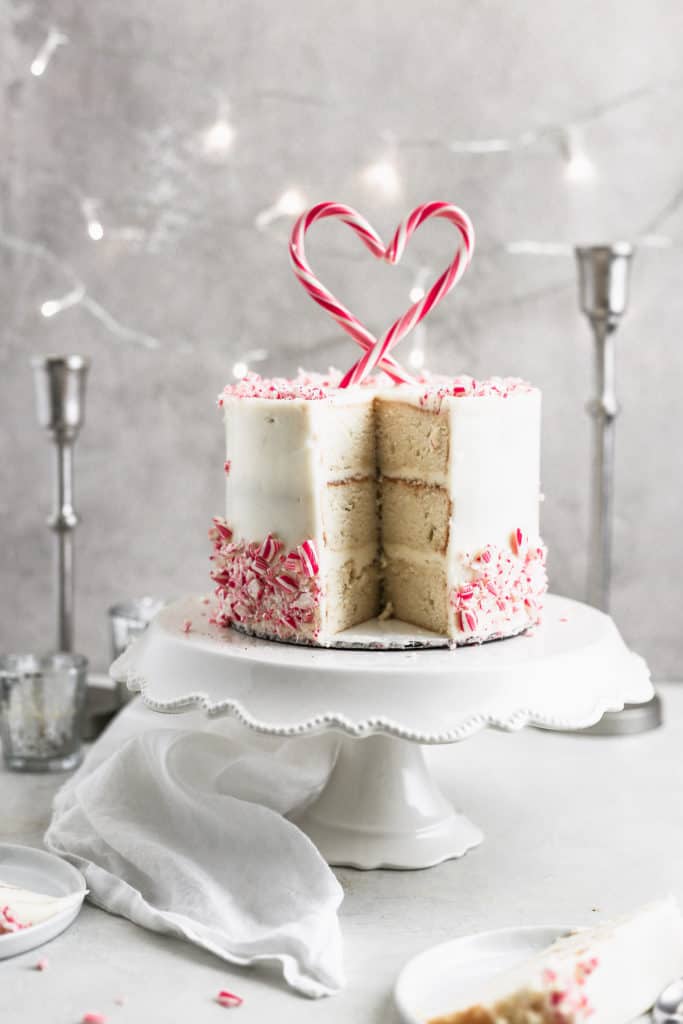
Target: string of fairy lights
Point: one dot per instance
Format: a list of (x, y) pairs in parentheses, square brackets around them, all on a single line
[(381, 177)]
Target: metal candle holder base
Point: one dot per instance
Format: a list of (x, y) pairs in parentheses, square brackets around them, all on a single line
[(633, 719)]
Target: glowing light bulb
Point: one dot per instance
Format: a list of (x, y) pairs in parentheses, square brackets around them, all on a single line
[(240, 369), (218, 139), (416, 293), (291, 203), (580, 168), (416, 358), (384, 177), (44, 56), (95, 230), (53, 306)]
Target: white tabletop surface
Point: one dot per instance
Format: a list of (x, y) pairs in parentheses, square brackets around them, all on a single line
[(576, 827)]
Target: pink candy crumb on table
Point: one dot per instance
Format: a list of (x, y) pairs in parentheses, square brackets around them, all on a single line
[(228, 999)]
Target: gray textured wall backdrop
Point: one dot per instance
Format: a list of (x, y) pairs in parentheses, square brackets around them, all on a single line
[(144, 159)]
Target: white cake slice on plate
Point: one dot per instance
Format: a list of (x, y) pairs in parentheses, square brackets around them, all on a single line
[(21, 908), (609, 974)]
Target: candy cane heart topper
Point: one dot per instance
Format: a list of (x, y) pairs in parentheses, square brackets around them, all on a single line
[(377, 351)]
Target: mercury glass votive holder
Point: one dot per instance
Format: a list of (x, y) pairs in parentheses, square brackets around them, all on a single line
[(127, 620), (42, 704)]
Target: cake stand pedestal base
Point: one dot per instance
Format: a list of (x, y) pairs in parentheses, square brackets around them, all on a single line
[(381, 809)]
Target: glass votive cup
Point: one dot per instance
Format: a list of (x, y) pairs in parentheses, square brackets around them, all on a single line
[(42, 704), (127, 620)]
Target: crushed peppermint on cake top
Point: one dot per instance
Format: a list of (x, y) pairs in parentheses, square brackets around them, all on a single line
[(309, 386), (436, 388), (313, 387)]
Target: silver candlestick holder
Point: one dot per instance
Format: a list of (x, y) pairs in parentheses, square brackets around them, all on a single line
[(60, 404), (604, 274), (603, 296)]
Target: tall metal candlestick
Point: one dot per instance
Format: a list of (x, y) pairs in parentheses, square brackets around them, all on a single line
[(603, 296), (60, 404)]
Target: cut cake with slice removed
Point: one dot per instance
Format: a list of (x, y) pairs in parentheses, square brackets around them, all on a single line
[(341, 502)]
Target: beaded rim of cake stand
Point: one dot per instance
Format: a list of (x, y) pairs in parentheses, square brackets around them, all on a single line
[(516, 720)]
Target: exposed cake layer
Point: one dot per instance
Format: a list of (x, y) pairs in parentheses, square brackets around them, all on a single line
[(352, 595), (412, 442), (349, 514), (608, 975), (459, 476), (417, 590), (415, 514)]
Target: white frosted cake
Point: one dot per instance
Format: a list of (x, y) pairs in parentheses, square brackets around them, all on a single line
[(418, 501), (606, 975)]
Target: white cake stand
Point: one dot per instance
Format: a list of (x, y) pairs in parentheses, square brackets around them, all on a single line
[(380, 807)]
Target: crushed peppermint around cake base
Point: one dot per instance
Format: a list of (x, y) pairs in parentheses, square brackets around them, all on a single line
[(263, 589)]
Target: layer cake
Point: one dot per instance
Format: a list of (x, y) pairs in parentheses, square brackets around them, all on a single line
[(414, 501)]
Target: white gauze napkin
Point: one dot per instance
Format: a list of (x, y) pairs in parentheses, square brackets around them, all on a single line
[(183, 831)]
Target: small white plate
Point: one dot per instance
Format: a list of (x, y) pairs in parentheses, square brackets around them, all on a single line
[(38, 871), (431, 983)]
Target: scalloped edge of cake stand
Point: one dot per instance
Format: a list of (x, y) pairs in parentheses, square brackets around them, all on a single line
[(564, 677)]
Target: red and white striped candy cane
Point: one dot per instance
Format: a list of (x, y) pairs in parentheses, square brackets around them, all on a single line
[(441, 287), (320, 294), (377, 353)]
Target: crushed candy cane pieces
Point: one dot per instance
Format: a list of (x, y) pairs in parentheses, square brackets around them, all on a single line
[(228, 999), (187, 625), (42, 965), (309, 558), (93, 1018)]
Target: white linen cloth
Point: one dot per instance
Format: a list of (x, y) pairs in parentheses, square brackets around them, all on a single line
[(182, 830)]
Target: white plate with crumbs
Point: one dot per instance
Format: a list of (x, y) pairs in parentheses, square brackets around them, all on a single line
[(435, 982), (37, 871)]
